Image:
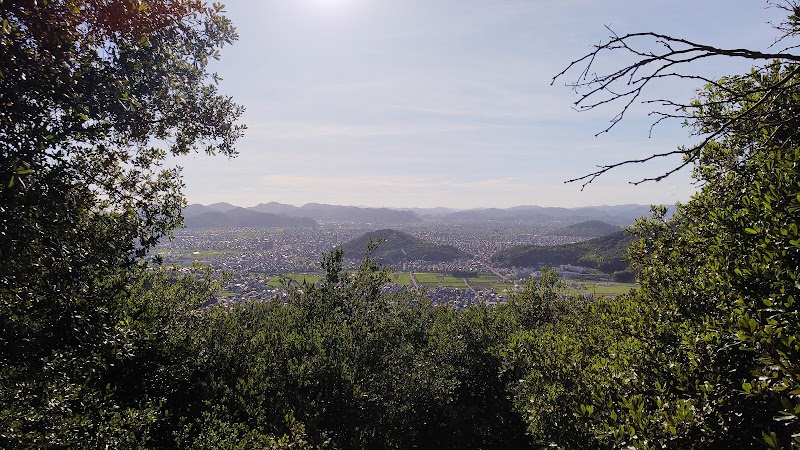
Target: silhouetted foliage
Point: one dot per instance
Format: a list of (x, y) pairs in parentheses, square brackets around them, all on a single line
[(85, 89)]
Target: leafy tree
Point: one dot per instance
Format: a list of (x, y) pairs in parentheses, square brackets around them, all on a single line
[(729, 265), (575, 370), (713, 352), (355, 368), (93, 96)]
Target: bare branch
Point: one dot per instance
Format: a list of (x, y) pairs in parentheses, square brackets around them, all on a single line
[(661, 57)]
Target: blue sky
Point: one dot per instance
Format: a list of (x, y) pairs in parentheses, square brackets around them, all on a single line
[(445, 102)]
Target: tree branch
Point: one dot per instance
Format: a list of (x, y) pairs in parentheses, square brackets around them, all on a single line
[(627, 85)]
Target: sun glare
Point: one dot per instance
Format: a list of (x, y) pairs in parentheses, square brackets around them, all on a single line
[(330, 3)]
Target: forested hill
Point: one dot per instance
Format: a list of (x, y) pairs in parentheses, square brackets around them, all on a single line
[(590, 229), (397, 246), (240, 217), (605, 253)]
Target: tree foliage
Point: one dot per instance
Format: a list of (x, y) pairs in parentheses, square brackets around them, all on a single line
[(729, 265), (354, 368), (93, 96), (706, 355)]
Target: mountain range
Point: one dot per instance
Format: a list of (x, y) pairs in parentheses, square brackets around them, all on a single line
[(318, 211), (241, 218), (616, 215), (278, 214)]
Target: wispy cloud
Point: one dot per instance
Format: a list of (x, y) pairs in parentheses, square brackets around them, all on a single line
[(417, 102), (406, 182), (317, 130)]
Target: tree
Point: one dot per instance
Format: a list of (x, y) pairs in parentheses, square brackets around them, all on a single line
[(719, 358), (94, 94), (728, 266)]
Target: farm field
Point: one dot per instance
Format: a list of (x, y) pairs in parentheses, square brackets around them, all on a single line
[(433, 280), (601, 288), (430, 280), (482, 281)]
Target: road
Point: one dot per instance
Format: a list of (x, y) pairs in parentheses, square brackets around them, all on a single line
[(414, 283)]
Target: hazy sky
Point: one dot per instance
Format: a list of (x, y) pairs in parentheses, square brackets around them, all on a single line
[(445, 102)]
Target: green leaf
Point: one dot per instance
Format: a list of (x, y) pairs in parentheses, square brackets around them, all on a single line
[(770, 439)]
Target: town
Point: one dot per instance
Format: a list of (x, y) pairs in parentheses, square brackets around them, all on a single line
[(262, 262)]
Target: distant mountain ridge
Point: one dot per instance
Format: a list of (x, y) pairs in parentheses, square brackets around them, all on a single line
[(222, 207), (397, 246), (322, 212), (621, 215), (242, 218), (617, 215), (311, 211)]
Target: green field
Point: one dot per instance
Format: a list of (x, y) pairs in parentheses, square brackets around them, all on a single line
[(431, 280), (489, 280), (401, 278), (601, 288)]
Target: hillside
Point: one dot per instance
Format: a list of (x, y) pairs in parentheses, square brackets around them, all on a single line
[(605, 253), (240, 217), (589, 229), (398, 246)]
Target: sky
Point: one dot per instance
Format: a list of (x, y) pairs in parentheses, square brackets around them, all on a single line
[(425, 103)]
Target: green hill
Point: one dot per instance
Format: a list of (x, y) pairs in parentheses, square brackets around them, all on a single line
[(398, 246), (603, 253), (589, 229)]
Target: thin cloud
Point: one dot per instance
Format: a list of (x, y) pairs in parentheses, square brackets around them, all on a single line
[(313, 130)]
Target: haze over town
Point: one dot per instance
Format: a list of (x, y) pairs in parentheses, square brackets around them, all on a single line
[(460, 257)]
